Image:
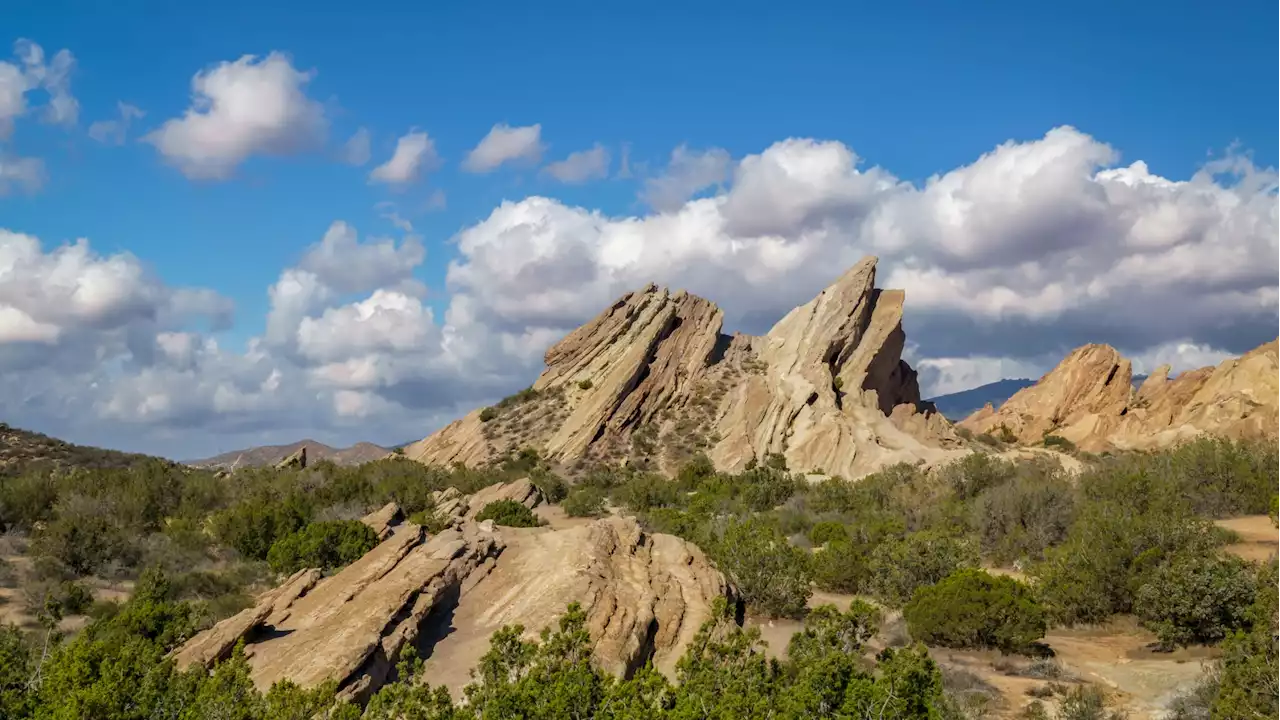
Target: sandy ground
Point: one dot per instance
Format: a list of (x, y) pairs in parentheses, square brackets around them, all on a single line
[(1116, 656), (1258, 537)]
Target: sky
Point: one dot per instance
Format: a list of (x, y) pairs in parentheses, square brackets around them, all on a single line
[(234, 225)]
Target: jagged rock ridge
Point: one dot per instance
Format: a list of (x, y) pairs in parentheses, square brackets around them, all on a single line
[(645, 595), (1089, 399), (653, 376)]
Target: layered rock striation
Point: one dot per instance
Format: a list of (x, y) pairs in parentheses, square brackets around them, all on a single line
[(653, 377), (645, 595), (1088, 399)]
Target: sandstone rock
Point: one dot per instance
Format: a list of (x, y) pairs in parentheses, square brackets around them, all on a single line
[(453, 507), (297, 460), (352, 626), (384, 519), (645, 596), (654, 377), (1088, 400)]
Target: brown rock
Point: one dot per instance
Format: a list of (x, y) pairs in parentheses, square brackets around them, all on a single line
[(384, 519), (654, 377), (1088, 400), (297, 460)]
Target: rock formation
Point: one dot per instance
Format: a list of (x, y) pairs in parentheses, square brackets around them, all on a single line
[(384, 519), (296, 460), (1088, 399), (653, 378), (445, 594)]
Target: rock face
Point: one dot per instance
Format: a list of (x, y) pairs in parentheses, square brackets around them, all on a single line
[(297, 460), (1088, 399), (653, 378), (644, 595)]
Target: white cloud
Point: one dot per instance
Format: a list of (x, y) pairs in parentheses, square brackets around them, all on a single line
[(356, 151), (241, 108), (31, 72), (688, 173), (1008, 262), (415, 154), (581, 166), (1180, 356), (505, 144), (26, 173), (114, 132)]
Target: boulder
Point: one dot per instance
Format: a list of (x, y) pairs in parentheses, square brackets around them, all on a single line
[(384, 519), (296, 460)]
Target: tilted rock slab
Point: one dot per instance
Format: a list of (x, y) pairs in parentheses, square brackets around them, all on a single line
[(645, 596), (350, 627), (1088, 399), (826, 387)]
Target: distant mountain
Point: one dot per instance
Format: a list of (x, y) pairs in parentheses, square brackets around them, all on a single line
[(960, 405), (272, 454), (21, 450)]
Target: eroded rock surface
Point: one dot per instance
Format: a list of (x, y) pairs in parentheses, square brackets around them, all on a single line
[(645, 595), (653, 377), (1088, 399)]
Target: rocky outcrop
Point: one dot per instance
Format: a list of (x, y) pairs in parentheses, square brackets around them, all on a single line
[(1088, 399), (384, 519), (296, 460), (645, 595), (654, 379), (351, 627), (453, 507)]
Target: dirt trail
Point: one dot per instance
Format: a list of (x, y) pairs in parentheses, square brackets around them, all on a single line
[(1258, 537)]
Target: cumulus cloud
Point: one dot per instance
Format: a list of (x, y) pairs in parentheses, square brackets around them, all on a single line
[(29, 72), (241, 108), (688, 173), (415, 154), (1008, 262), (115, 131), (581, 166), (356, 151), (26, 173), (505, 144)]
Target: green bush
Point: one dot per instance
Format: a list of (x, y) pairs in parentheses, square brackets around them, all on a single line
[(509, 513), (253, 526), (488, 414), (771, 574), (828, 531), (584, 502), (326, 545), (841, 566), (1248, 686), (1025, 517), (1196, 598), (1057, 441), (584, 384), (898, 567), (430, 520), (552, 486), (973, 609)]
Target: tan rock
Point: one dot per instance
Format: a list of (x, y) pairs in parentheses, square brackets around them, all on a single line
[(1088, 400), (453, 507), (654, 377), (645, 596), (384, 519), (296, 460)]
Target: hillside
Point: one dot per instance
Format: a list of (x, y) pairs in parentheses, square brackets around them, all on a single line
[(21, 449), (653, 380), (271, 454)]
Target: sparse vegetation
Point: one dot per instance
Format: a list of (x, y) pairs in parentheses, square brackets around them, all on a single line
[(509, 513)]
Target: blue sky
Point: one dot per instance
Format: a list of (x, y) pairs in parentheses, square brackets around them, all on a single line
[(916, 89)]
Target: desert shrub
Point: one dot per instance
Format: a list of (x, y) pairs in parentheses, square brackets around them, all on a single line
[(26, 499), (1107, 555), (488, 414), (1059, 442), (900, 566), (584, 384), (1086, 702), (584, 502), (430, 520), (1196, 597), (827, 531), (327, 545), (977, 472), (83, 537), (552, 486), (645, 491), (253, 526), (1220, 477), (841, 566), (827, 629), (973, 609), (772, 575), (1005, 435), (1249, 667), (509, 513), (1024, 517)]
